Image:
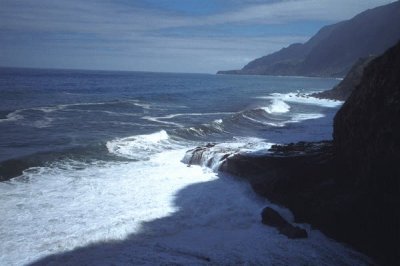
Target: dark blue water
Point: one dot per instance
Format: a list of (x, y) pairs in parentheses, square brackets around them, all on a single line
[(99, 175), (76, 112)]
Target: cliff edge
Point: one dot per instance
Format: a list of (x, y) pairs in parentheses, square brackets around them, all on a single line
[(367, 127), (348, 188), (343, 90)]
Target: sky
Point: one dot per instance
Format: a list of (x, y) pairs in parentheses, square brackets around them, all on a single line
[(190, 36)]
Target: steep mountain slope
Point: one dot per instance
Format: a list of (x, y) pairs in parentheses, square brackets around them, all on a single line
[(367, 127), (335, 48), (344, 89)]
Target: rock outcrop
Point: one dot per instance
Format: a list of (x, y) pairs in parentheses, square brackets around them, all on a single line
[(335, 48), (348, 188), (343, 90), (273, 218), (367, 127)]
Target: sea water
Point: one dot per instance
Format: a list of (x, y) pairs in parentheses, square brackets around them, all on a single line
[(102, 178)]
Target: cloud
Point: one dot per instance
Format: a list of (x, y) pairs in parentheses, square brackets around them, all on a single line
[(106, 16), (99, 34), (153, 53)]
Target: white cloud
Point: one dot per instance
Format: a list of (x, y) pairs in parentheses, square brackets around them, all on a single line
[(99, 34), (106, 17)]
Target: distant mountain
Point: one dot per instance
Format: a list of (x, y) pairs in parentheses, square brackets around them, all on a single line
[(335, 48)]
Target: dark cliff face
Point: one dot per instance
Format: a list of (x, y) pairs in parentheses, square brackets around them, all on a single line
[(367, 127), (335, 48), (343, 90), (349, 189)]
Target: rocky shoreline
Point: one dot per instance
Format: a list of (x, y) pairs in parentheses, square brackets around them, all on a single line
[(348, 188), (307, 178)]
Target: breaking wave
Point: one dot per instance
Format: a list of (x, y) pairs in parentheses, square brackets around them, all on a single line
[(142, 147), (277, 106), (302, 98)]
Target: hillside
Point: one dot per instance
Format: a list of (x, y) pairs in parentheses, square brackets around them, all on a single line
[(343, 90), (335, 48)]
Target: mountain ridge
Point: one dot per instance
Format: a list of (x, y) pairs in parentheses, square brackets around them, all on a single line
[(335, 48)]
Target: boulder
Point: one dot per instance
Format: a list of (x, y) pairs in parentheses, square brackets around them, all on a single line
[(273, 218)]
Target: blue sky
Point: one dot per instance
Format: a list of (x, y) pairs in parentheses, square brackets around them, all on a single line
[(200, 36)]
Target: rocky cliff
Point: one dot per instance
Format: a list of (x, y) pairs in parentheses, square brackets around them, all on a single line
[(348, 188), (343, 90), (367, 127), (335, 48)]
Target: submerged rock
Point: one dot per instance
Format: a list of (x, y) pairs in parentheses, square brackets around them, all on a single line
[(273, 218)]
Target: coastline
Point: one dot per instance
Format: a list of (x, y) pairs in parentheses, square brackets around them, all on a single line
[(349, 187), (307, 178)]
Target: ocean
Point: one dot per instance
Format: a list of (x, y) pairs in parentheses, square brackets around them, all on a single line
[(99, 176)]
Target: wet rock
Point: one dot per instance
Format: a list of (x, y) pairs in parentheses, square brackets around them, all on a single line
[(210, 155), (273, 218), (343, 90), (293, 232), (348, 189)]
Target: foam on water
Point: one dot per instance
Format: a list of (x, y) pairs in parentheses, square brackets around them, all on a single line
[(158, 120), (141, 147), (265, 123), (154, 212), (303, 98), (24, 116), (161, 119), (301, 117), (20, 116), (277, 106), (11, 117), (49, 210), (214, 156)]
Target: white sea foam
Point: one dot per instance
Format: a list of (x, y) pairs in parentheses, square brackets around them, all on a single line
[(213, 157), (160, 119), (13, 116), (277, 106), (303, 98), (250, 144), (301, 117), (148, 212), (45, 121), (18, 115), (41, 123), (265, 123), (141, 147), (143, 105)]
